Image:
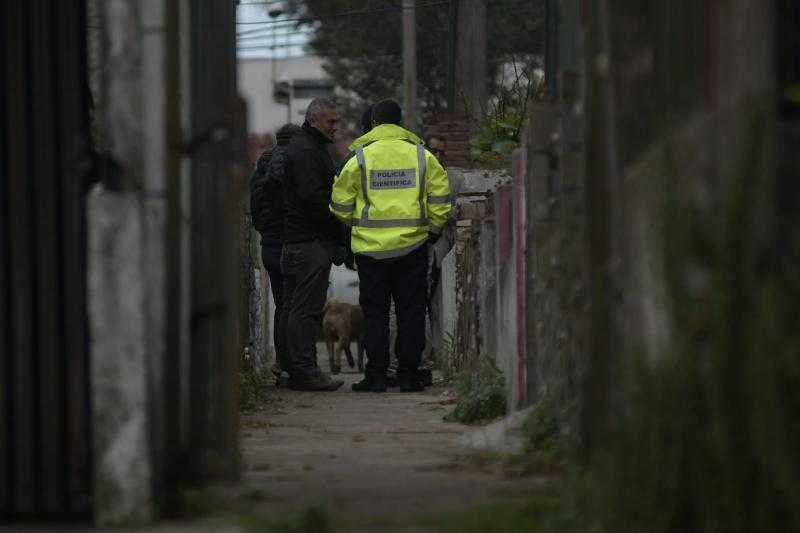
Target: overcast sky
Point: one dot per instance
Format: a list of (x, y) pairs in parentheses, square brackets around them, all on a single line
[(257, 31)]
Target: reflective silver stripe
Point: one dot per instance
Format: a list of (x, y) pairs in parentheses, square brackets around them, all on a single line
[(343, 208), (422, 170), (434, 199), (363, 166), (392, 223), (400, 252)]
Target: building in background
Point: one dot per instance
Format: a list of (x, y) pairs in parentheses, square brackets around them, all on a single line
[(279, 91)]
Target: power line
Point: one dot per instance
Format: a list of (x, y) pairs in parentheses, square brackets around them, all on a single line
[(252, 40), (344, 14), (260, 3), (269, 28), (270, 46)]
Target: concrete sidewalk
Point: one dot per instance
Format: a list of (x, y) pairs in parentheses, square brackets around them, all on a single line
[(364, 455)]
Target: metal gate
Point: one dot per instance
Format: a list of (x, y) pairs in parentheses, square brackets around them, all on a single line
[(44, 158)]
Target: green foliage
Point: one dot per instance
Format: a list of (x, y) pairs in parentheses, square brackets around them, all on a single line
[(543, 446), (446, 358), (711, 440), (481, 393), (254, 385), (707, 440), (499, 131)]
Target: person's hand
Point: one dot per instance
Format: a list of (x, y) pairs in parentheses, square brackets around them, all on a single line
[(339, 255), (433, 237)]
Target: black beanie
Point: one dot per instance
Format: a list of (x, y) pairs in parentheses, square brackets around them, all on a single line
[(387, 112)]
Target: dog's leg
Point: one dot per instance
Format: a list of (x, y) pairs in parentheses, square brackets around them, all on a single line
[(337, 368), (330, 345), (348, 353)]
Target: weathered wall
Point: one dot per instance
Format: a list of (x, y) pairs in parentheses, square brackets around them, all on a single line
[(557, 259), (153, 407), (127, 299), (506, 295)]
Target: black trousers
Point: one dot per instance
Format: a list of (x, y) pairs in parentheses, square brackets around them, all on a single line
[(271, 257), (404, 280), (306, 267)]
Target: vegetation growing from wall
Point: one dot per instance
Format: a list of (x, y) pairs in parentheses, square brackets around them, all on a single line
[(480, 393), (710, 437), (706, 432), (506, 114)]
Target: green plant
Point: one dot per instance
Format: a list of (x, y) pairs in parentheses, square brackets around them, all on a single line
[(504, 117), (481, 393), (254, 385), (543, 446)]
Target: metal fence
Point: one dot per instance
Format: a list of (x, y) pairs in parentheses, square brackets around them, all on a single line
[(44, 158)]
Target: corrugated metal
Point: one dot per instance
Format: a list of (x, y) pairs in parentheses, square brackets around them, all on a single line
[(44, 132)]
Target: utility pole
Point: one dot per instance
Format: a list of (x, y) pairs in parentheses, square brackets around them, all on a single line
[(452, 29), (470, 64), (410, 63)]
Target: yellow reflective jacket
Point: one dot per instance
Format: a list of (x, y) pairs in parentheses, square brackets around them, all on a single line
[(392, 191)]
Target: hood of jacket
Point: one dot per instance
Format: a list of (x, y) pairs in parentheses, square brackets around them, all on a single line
[(385, 131)]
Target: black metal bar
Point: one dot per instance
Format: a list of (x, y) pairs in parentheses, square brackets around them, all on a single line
[(74, 161), (5, 348), (24, 437), (44, 409), (45, 261)]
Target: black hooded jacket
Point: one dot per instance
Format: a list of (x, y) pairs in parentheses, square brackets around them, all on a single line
[(266, 188), (307, 189)]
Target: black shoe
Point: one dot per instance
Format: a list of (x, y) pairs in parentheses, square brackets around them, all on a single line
[(319, 382), (370, 385), (425, 376), (410, 384)]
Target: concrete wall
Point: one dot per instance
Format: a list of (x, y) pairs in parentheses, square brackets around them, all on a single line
[(127, 239), (139, 261)]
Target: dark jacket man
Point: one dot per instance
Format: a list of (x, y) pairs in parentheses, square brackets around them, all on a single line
[(312, 237), (308, 189)]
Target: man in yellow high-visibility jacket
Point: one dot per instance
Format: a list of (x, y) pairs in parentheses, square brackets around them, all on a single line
[(396, 196)]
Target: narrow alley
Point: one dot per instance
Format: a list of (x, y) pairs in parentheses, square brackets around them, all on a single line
[(366, 459), (567, 229)]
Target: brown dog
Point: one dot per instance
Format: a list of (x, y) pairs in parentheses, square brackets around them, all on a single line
[(342, 324)]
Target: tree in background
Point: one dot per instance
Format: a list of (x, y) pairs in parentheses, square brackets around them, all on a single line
[(361, 42)]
